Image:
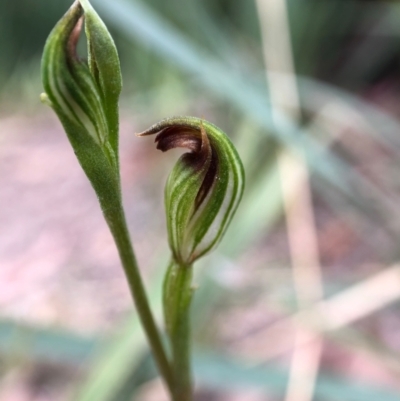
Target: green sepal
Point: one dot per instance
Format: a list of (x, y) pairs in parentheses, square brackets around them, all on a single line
[(86, 107), (104, 65), (94, 162), (181, 191)]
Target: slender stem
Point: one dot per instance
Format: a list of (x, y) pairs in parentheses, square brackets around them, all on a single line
[(177, 299), (116, 221)]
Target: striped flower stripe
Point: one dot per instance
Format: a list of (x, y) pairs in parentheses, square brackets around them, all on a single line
[(204, 188), (77, 91)]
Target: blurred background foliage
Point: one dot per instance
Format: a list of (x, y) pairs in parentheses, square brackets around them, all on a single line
[(261, 332)]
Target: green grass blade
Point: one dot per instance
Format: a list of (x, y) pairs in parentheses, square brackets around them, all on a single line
[(138, 22), (49, 345), (224, 373), (120, 357)]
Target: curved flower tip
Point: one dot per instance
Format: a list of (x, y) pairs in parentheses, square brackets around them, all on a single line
[(83, 94), (204, 188)]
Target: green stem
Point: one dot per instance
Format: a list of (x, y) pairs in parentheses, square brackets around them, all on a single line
[(117, 223), (177, 299)]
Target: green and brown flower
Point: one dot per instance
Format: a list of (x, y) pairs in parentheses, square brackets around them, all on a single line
[(204, 188)]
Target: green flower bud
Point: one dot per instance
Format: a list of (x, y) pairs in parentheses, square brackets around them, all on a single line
[(84, 94), (204, 188)]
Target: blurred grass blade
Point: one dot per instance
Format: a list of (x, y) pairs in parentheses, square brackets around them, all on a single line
[(315, 94), (224, 373), (44, 344), (212, 369), (121, 356), (261, 207), (112, 365), (139, 23)]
